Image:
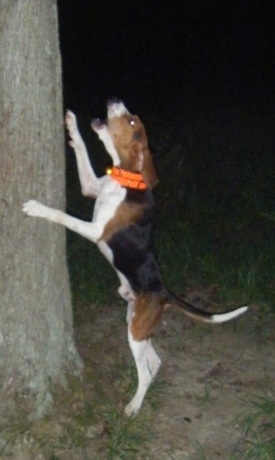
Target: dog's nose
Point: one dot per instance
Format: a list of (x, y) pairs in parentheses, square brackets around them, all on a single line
[(113, 100), (116, 108)]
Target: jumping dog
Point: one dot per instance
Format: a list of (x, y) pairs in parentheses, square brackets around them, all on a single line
[(121, 228)]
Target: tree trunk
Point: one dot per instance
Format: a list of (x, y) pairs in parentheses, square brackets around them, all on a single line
[(36, 334)]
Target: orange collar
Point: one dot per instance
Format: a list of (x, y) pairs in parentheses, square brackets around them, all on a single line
[(127, 178)]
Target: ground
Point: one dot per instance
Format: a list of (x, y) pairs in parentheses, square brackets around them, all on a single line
[(193, 411)]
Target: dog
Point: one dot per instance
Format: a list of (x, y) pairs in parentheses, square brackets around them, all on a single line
[(121, 228)]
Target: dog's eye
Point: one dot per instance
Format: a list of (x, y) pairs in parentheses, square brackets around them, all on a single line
[(132, 122)]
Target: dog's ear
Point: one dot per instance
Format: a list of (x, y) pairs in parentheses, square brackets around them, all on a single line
[(141, 161), (148, 170)]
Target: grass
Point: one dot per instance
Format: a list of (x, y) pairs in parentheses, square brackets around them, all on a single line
[(103, 421), (259, 428), (125, 434), (85, 423), (258, 425), (241, 271)]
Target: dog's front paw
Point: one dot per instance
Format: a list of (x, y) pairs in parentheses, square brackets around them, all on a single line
[(71, 125), (70, 121), (35, 209)]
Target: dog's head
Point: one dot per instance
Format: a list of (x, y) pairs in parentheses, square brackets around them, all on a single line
[(125, 140)]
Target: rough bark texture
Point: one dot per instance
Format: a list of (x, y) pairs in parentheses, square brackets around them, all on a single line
[(36, 334)]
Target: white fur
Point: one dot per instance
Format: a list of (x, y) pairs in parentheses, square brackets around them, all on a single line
[(222, 318), (147, 364), (110, 195), (90, 184), (116, 109), (105, 137)]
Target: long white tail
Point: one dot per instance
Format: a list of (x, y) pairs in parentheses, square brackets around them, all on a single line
[(204, 316)]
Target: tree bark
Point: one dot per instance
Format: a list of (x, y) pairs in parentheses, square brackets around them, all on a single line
[(36, 328)]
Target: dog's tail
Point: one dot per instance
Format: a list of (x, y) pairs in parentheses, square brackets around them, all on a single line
[(201, 315)]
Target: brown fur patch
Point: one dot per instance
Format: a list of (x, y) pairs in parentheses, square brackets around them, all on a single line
[(131, 143), (126, 214), (147, 311), (148, 170)]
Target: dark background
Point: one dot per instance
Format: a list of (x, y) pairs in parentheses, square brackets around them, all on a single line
[(199, 74)]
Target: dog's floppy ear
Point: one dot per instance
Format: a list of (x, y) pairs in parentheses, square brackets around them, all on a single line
[(148, 169), (142, 162)]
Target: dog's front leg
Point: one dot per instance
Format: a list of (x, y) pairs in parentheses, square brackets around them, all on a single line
[(104, 135), (90, 183), (90, 230)]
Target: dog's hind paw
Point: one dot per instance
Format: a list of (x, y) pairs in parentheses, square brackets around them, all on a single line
[(132, 408)]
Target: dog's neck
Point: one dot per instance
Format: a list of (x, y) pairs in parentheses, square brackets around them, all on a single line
[(127, 178)]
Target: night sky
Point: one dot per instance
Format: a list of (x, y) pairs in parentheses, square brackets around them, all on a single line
[(160, 52), (209, 64)]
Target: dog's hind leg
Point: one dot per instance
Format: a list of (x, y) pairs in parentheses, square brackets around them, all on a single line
[(153, 359), (139, 351), (147, 364)]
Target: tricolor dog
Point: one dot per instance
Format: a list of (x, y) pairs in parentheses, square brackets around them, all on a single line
[(121, 228)]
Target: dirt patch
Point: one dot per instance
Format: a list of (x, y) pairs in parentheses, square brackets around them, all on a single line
[(191, 412)]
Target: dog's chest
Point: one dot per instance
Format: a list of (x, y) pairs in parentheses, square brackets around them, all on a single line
[(107, 202)]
